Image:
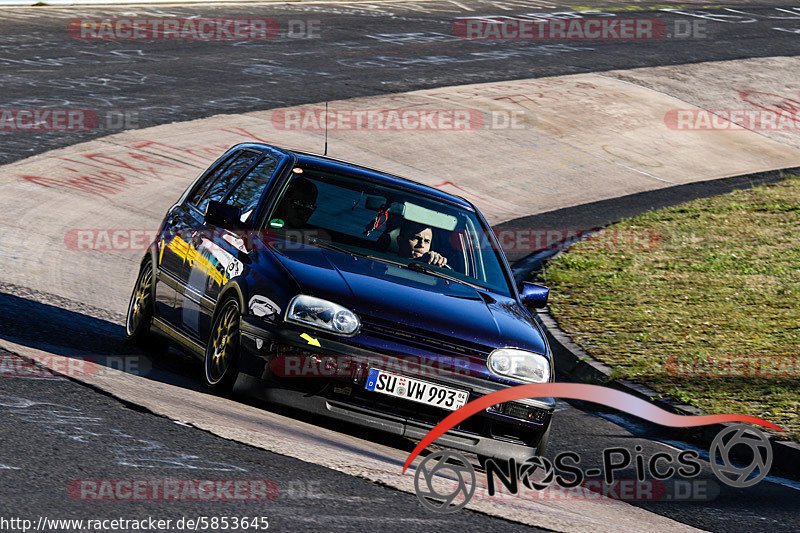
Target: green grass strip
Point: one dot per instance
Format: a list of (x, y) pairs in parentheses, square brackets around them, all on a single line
[(700, 301)]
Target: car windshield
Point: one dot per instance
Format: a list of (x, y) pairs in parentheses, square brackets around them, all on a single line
[(357, 216)]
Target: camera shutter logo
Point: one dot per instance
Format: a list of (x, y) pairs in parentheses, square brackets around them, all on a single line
[(528, 470), (740, 435), (447, 465)]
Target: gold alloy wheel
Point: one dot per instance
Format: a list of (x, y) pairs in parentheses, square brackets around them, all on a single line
[(140, 306), (222, 352)]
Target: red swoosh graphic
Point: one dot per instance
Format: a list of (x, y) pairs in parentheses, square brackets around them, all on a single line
[(578, 391)]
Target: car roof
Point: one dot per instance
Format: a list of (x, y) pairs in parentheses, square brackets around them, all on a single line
[(352, 169)]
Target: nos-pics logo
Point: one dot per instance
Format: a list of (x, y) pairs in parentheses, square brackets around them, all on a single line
[(445, 481)]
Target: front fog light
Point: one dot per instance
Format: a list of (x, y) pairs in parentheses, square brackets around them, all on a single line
[(519, 365), (322, 314)]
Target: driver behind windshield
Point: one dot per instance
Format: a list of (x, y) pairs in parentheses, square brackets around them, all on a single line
[(298, 204), (414, 242), (291, 216)]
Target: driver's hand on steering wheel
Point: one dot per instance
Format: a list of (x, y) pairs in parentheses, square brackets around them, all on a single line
[(436, 259)]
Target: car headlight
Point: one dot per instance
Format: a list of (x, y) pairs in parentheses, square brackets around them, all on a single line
[(519, 365), (322, 314)]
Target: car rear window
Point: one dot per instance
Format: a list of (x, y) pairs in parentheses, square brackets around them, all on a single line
[(220, 181)]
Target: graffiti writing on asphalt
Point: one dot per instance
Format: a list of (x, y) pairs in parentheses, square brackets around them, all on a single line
[(779, 105), (146, 161)]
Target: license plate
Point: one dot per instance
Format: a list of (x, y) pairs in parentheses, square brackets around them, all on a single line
[(416, 390)]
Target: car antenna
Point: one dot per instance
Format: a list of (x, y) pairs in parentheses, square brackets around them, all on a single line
[(326, 129)]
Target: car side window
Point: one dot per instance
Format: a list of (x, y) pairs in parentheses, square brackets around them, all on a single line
[(201, 189), (248, 191), (225, 176)]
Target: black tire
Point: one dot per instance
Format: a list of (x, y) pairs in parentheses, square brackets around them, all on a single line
[(544, 441), (221, 361), (140, 311)]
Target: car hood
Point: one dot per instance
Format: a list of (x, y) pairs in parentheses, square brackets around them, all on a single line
[(392, 294)]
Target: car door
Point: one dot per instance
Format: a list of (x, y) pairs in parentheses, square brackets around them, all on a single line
[(188, 221), (220, 254), (181, 223)]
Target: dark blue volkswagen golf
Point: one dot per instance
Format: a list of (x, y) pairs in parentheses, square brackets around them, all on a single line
[(349, 293)]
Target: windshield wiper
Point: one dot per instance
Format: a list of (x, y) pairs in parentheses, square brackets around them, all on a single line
[(425, 269), (331, 246), (336, 248)]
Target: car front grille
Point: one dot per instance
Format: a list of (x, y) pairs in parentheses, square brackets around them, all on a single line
[(423, 339)]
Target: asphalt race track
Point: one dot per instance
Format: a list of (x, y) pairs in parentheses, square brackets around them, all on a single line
[(375, 49), (57, 431)]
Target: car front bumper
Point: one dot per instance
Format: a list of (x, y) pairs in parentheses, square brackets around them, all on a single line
[(344, 398)]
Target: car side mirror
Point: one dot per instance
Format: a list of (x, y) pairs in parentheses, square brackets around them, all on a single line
[(222, 215), (534, 295)]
